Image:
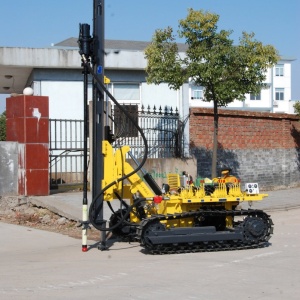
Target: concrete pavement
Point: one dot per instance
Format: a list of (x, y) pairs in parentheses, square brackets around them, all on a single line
[(37, 265), (69, 204)]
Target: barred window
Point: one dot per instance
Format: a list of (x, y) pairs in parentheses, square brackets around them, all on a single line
[(123, 125)]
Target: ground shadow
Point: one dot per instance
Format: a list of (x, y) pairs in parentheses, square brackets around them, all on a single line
[(110, 242)]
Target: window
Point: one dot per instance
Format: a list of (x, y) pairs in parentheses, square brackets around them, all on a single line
[(279, 70), (128, 95), (123, 125), (255, 97), (126, 91), (197, 93), (279, 94)]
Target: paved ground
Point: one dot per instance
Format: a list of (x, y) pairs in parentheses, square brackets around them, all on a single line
[(39, 265), (70, 204)]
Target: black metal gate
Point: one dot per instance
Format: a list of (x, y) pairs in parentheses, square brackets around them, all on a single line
[(66, 152), (162, 128)]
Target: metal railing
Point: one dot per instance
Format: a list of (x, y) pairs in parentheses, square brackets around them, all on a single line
[(66, 134), (162, 128), (65, 152)]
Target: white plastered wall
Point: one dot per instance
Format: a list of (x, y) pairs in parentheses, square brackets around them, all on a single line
[(65, 99)]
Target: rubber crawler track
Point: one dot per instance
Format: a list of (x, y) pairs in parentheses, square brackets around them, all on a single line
[(220, 245)]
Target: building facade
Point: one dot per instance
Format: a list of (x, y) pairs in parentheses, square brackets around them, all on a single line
[(275, 98), (56, 72)]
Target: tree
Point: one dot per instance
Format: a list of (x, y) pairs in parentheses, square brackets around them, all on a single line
[(225, 71), (3, 127), (297, 108)]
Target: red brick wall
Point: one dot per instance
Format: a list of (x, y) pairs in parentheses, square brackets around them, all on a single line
[(244, 129), (258, 147), (27, 123)]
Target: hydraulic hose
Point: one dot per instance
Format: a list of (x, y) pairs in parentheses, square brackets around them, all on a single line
[(92, 213)]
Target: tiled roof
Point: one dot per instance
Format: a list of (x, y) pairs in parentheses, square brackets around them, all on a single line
[(115, 45)]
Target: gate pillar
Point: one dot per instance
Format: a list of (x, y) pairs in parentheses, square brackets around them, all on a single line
[(27, 122)]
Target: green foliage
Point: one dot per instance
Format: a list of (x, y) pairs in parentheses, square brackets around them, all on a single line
[(3, 127), (297, 108), (164, 63), (226, 71)]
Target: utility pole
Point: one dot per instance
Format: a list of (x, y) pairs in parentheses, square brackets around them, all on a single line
[(98, 111)]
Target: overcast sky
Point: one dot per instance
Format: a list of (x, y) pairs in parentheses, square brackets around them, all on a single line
[(39, 23)]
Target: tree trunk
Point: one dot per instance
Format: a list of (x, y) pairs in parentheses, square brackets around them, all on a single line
[(215, 141)]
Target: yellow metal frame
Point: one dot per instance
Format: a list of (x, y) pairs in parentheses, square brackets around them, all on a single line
[(227, 193)]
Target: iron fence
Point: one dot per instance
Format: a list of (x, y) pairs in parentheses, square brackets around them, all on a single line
[(66, 152), (162, 129)]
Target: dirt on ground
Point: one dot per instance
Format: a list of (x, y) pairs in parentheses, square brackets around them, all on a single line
[(20, 211)]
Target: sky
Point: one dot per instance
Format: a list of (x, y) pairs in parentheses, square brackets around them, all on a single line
[(40, 23)]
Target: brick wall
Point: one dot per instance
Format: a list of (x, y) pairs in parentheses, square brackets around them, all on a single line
[(259, 147), (27, 123)]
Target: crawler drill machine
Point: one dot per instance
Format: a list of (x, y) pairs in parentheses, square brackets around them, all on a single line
[(179, 217)]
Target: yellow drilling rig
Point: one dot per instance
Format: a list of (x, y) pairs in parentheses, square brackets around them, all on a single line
[(182, 215)]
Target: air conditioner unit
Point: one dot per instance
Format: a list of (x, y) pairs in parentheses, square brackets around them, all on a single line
[(275, 103)]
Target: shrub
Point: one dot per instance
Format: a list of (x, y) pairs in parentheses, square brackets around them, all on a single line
[(297, 108), (3, 127)]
